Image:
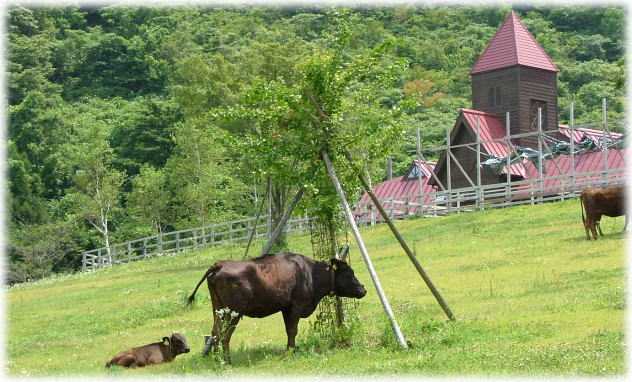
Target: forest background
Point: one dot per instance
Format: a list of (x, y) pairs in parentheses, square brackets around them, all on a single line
[(113, 131)]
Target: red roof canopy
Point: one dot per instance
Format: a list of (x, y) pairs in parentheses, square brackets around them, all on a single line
[(513, 45)]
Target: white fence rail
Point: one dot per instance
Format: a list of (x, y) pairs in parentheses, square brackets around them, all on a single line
[(531, 191), (436, 204), (183, 240)]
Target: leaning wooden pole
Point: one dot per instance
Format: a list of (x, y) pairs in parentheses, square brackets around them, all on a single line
[(253, 233), (286, 216), (363, 251), (402, 242)]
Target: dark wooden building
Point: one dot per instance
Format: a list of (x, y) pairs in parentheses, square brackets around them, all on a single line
[(513, 75)]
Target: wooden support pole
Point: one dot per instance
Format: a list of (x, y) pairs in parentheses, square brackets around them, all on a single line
[(604, 148), (540, 156), (286, 215), (402, 242), (448, 169), (479, 200), (509, 151), (420, 210), (254, 228), (269, 208), (363, 251), (572, 127)]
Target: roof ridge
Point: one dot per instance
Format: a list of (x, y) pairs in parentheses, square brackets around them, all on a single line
[(536, 43), (474, 111), (514, 34), (513, 45)]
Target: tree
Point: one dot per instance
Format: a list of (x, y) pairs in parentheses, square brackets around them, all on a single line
[(96, 185), (200, 176), (148, 201)]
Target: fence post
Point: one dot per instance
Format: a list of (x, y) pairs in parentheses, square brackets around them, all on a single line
[(83, 262), (572, 123), (372, 211), (145, 247), (177, 241), (540, 156), (129, 251), (458, 201), (160, 249), (448, 170)]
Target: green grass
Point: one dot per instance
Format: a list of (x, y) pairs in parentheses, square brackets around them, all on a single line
[(531, 295)]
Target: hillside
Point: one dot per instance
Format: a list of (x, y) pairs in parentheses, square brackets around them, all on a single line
[(532, 296), (139, 96)]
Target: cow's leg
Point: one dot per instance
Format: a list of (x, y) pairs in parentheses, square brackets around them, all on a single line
[(128, 360), (232, 325), (587, 223), (598, 224), (291, 327), (217, 324), (592, 223)]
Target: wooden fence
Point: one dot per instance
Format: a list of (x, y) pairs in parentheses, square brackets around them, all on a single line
[(436, 204), (179, 241), (498, 195)]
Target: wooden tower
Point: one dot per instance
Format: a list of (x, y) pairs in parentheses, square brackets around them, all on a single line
[(514, 74)]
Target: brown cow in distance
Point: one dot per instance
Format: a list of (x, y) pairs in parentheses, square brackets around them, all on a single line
[(608, 201), (157, 352), (289, 283)]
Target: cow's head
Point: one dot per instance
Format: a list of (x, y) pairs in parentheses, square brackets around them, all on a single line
[(345, 282), (177, 343)]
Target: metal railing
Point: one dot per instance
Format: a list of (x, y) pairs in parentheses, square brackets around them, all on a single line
[(532, 191), (438, 203)]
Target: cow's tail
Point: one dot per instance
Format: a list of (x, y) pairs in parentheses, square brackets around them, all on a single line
[(212, 270)]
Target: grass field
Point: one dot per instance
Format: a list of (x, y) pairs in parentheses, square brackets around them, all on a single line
[(531, 295)]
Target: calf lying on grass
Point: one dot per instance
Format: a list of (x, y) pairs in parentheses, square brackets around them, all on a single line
[(158, 352)]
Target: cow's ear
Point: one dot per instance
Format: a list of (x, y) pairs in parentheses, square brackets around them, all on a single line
[(165, 339), (334, 263)]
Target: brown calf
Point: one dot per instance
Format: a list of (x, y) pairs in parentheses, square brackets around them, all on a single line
[(609, 201), (158, 352)]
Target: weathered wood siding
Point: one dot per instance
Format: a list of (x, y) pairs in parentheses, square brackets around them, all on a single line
[(507, 79), (519, 85), (541, 85), (467, 160)]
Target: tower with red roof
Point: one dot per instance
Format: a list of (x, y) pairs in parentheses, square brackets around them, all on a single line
[(514, 74)]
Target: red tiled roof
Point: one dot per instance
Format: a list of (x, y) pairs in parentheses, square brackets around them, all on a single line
[(580, 133), (401, 188), (588, 162), (490, 129), (425, 167), (513, 45)]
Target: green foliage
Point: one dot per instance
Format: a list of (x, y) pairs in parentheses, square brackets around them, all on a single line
[(260, 91), (149, 200)]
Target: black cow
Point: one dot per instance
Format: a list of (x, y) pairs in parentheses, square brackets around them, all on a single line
[(154, 353), (287, 282)]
